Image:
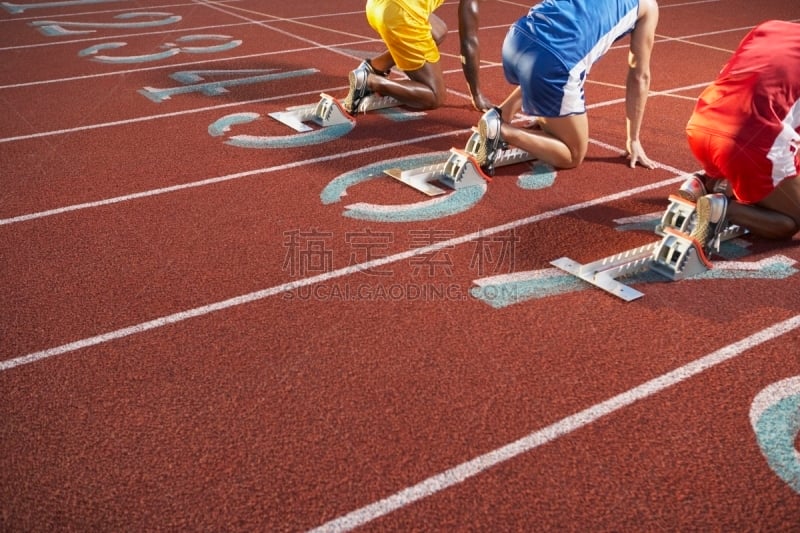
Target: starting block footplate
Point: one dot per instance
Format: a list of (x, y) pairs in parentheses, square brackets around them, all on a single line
[(460, 170), (676, 256), (421, 180), (328, 111), (603, 272)]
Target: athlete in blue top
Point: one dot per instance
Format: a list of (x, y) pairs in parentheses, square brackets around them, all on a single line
[(547, 54)]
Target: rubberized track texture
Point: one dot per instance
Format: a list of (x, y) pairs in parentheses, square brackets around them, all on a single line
[(211, 322)]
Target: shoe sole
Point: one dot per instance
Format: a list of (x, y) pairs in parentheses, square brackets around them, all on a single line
[(704, 211), (701, 232), (482, 153), (692, 192), (350, 99)]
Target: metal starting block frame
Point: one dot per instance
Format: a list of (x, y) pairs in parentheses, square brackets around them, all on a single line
[(505, 156), (460, 170), (676, 256), (328, 112), (679, 215)]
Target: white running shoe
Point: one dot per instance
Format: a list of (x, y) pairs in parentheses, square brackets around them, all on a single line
[(699, 185), (711, 210), (692, 189), (490, 139), (358, 87)]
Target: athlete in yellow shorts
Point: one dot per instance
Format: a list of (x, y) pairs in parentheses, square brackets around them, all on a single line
[(412, 34)]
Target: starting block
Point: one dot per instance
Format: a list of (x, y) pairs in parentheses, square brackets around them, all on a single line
[(460, 170), (679, 215), (505, 156), (328, 112), (676, 256)]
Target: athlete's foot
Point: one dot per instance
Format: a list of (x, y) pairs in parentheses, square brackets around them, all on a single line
[(358, 88), (711, 211), (699, 185), (491, 142), (692, 189)]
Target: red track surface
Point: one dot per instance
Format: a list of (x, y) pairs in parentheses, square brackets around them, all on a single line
[(172, 361)]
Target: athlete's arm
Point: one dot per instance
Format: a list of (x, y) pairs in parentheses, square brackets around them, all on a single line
[(468, 11), (637, 85)]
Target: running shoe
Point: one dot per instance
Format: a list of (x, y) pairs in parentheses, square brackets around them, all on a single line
[(699, 185), (358, 87), (491, 142), (719, 185), (711, 210), (692, 189)]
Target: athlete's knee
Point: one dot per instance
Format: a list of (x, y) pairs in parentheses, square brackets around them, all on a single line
[(430, 100), (429, 91), (784, 200), (439, 98), (778, 226), (577, 155), (788, 228), (570, 163), (782, 229)]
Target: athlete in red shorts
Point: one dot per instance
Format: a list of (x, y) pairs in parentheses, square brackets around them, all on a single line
[(746, 129)]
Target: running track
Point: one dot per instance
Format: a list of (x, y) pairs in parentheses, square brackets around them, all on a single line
[(212, 324)]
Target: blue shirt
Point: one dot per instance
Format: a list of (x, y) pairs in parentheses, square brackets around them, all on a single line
[(580, 31)]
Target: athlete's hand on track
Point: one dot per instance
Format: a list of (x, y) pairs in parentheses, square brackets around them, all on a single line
[(636, 155), (481, 103)]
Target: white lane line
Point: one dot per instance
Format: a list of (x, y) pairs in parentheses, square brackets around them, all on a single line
[(228, 11), (320, 278), (219, 179), (148, 118), (323, 29), (118, 36), (565, 426), (266, 170), (206, 61), (94, 12)]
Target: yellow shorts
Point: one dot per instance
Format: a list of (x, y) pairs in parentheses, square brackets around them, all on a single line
[(406, 32)]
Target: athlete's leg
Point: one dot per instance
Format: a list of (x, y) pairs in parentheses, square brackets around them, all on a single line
[(546, 89), (512, 104), (384, 61), (558, 141), (775, 217), (424, 88), (438, 29), (561, 142)]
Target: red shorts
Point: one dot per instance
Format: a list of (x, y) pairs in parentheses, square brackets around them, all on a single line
[(747, 168)]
